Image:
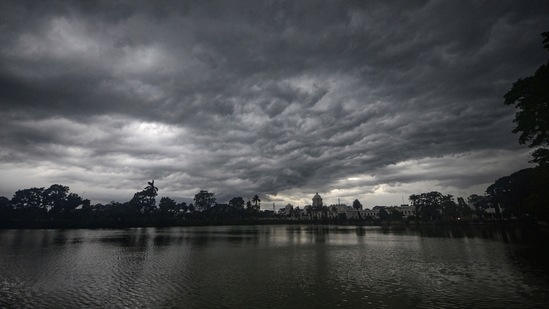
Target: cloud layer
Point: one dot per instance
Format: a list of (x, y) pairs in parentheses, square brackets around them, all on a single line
[(360, 100)]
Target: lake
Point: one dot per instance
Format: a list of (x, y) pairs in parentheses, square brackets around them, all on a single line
[(275, 266)]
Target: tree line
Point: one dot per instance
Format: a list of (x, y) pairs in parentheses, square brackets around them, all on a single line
[(521, 195), (56, 206)]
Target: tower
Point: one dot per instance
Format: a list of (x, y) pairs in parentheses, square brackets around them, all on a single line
[(317, 200)]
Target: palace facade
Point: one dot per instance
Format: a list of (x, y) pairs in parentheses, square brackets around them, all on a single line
[(317, 210)]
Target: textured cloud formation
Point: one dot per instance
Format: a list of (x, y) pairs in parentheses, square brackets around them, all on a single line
[(372, 100)]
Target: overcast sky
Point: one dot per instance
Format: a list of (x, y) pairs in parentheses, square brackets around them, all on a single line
[(374, 100)]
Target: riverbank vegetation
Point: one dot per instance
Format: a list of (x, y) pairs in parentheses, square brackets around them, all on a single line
[(520, 197)]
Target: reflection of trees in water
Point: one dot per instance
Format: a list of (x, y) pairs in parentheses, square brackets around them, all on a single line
[(290, 266), (203, 236), (321, 233), (144, 238), (137, 238), (504, 234)]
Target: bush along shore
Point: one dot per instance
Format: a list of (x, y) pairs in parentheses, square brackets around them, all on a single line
[(517, 199)]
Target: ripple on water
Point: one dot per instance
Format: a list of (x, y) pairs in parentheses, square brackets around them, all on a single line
[(226, 267)]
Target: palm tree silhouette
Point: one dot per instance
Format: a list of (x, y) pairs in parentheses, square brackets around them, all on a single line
[(256, 201), (151, 189)]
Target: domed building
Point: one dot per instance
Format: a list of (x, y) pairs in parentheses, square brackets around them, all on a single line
[(317, 200)]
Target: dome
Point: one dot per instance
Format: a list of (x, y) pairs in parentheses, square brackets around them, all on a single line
[(317, 200)]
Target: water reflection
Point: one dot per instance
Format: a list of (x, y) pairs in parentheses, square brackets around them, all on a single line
[(274, 266)]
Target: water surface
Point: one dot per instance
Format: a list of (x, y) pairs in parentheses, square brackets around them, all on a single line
[(274, 267)]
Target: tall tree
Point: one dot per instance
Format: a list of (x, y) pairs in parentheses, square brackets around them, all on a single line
[(151, 190), (536, 201), (463, 208), (28, 198), (204, 200), (74, 200), (396, 215), (257, 202), (510, 192), (237, 202), (429, 205), (530, 95), (383, 214), (28, 203), (449, 207), (167, 205), (480, 203), (5, 202), (55, 197), (145, 200), (6, 209), (414, 199), (182, 207), (357, 205)]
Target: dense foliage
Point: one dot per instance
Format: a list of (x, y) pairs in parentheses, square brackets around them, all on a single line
[(57, 207), (530, 95), (522, 195)]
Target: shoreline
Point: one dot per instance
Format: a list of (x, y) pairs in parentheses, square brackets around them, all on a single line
[(123, 224)]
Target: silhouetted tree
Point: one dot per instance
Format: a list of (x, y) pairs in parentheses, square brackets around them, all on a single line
[(383, 214), (414, 200), (237, 202), (396, 215), (151, 190), (530, 95), (358, 206), (536, 201), (463, 209), (6, 210), (257, 202), (28, 198), (510, 192), (144, 200), (55, 197), (28, 204), (428, 205), (449, 207), (5, 202), (204, 200), (74, 201), (182, 207), (167, 205), (480, 203), (249, 205)]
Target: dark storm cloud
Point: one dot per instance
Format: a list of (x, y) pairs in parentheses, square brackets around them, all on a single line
[(268, 97)]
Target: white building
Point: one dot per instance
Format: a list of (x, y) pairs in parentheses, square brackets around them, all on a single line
[(335, 211), (317, 201), (372, 213), (407, 211), (286, 210)]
